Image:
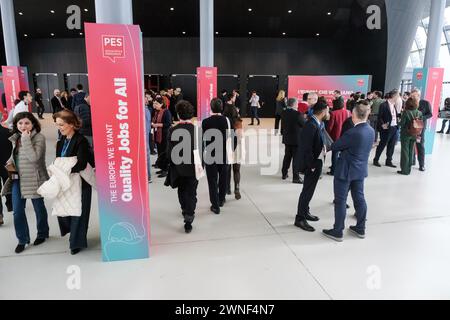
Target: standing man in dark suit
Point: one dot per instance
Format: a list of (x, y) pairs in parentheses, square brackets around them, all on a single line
[(292, 123), (215, 154), (351, 170), (427, 113), (311, 152), (39, 103), (387, 124), (78, 98), (56, 102)]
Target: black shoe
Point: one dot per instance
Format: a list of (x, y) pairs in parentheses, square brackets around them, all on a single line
[(440, 131), (448, 132), (298, 181), (251, 124), (74, 251), (390, 165), (376, 164), (215, 210), (187, 227), (163, 175), (331, 173), (333, 235), (222, 203), (303, 224), (312, 218), (237, 195), (284, 177), (38, 241), (19, 248), (358, 233), (229, 192), (401, 173), (422, 169)]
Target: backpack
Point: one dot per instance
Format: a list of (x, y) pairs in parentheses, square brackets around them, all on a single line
[(415, 127)]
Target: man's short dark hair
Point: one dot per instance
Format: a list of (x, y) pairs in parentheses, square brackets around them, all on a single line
[(73, 90), (319, 107), (379, 94), (79, 86), (338, 104), (362, 109), (216, 105), (305, 96), (230, 97), (185, 110), (392, 93), (23, 94)]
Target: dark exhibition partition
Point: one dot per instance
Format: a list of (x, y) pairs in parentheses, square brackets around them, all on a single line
[(266, 87), (47, 82), (188, 85), (72, 79), (156, 82), (228, 82)]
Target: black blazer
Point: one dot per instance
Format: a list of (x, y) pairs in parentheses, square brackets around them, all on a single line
[(385, 116), (183, 169), (425, 108), (292, 123), (310, 145), (6, 149), (56, 106), (79, 147), (218, 122)]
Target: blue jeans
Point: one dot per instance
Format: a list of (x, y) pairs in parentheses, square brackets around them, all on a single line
[(254, 113), (20, 218)]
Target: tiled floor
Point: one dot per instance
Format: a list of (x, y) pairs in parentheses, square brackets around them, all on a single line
[(253, 251)]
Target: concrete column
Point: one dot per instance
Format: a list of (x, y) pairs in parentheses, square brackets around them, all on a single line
[(207, 33), (403, 20), (435, 29), (9, 33), (114, 11)]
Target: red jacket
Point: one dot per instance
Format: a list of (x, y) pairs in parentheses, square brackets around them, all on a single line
[(337, 119), (303, 107)]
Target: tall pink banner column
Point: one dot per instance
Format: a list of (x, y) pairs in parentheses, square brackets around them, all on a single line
[(15, 79), (116, 85), (206, 90)]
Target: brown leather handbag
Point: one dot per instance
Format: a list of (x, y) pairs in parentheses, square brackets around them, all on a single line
[(11, 168)]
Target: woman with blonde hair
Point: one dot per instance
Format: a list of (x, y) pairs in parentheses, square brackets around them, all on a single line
[(280, 106)]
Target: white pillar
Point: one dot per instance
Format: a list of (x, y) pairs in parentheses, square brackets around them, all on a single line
[(435, 29), (207, 33), (114, 11), (9, 33)]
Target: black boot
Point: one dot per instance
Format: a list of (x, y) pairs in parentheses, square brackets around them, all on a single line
[(237, 193)]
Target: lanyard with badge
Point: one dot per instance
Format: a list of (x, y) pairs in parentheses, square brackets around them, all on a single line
[(65, 147)]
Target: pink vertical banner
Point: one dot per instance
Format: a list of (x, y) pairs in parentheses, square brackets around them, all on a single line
[(11, 84), (429, 81), (206, 90), (115, 67)]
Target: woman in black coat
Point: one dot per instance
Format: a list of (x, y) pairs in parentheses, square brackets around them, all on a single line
[(72, 144)]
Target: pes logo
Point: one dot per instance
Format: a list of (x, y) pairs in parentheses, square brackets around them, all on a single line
[(419, 76), (360, 82), (113, 47)]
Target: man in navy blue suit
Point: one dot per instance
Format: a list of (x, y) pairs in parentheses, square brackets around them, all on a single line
[(351, 170)]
